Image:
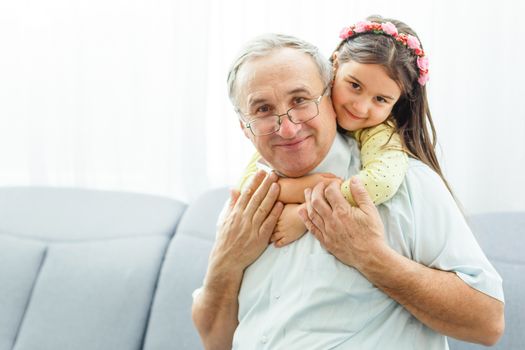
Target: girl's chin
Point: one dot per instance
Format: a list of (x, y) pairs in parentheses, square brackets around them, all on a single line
[(348, 126)]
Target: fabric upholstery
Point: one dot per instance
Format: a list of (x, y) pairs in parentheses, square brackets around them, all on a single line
[(184, 268), (20, 263), (79, 268)]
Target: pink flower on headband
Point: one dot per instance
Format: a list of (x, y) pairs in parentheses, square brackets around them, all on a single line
[(423, 78), (389, 28), (412, 42), (346, 32), (361, 27), (422, 63)]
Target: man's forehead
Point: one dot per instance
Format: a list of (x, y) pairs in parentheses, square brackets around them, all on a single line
[(270, 93), (281, 73)]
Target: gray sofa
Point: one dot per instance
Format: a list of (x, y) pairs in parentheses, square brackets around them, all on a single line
[(82, 269)]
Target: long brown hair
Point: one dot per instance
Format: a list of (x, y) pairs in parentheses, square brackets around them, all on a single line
[(411, 112)]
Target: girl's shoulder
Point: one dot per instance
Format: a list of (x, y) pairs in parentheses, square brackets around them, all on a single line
[(385, 129)]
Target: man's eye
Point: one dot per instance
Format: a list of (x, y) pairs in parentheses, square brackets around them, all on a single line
[(381, 99), (299, 100), (265, 109)]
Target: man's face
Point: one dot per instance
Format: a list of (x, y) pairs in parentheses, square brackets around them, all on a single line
[(278, 82)]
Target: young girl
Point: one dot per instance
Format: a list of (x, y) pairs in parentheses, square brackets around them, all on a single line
[(379, 96)]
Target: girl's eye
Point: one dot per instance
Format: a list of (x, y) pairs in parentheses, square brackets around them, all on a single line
[(355, 86), (381, 99)]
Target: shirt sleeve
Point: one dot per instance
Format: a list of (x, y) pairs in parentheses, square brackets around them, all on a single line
[(442, 238), (384, 163)]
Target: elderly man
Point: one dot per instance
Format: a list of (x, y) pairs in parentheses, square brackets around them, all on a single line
[(392, 294)]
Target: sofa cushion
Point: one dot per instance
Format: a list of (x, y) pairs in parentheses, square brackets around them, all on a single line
[(93, 295), (171, 326), (80, 266), (20, 262)]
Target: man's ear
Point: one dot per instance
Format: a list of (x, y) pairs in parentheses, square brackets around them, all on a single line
[(245, 130), (335, 61)]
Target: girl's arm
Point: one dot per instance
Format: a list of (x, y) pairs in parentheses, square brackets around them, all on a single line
[(384, 163), (292, 189)]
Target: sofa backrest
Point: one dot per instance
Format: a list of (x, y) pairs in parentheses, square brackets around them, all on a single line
[(502, 237), (79, 268)]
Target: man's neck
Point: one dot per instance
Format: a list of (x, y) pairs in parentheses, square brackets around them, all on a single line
[(339, 158)]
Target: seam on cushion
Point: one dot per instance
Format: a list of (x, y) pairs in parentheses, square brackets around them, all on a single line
[(65, 241), (30, 298), (161, 270), (196, 234), (154, 292)]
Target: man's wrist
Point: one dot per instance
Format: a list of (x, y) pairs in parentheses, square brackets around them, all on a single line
[(223, 265), (380, 266), (223, 277)]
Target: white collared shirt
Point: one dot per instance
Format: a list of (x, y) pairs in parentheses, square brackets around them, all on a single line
[(302, 297)]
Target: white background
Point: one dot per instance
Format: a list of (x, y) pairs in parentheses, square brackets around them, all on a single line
[(131, 95)]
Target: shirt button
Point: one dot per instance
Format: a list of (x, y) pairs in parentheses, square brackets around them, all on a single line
[(277, 296), (264, 339)]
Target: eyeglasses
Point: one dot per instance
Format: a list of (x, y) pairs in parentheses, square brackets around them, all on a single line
[(303, 112)]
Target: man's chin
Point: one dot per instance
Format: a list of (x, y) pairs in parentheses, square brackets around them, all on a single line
[(294, 167), (295, 161)]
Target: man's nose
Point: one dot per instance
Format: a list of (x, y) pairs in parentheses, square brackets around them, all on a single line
[(288, 129)]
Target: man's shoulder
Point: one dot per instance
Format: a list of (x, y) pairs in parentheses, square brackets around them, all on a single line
[(419, 170), (422, 181)]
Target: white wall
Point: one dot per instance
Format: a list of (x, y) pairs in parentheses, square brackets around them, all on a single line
[(131, 95)]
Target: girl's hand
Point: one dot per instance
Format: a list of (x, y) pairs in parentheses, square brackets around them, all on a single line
[(290, 226)]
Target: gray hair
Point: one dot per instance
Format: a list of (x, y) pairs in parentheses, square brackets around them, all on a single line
[(263, 45)]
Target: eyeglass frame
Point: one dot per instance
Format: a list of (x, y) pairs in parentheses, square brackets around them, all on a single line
[(317, 101)]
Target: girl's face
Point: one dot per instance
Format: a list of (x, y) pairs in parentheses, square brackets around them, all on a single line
[(363, 95)]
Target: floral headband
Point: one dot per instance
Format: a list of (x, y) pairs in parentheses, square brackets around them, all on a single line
[(390, 29)]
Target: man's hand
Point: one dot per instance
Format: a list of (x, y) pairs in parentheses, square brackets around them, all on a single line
[(244, 235), (249, 222), (439, 299), (349, 233)]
